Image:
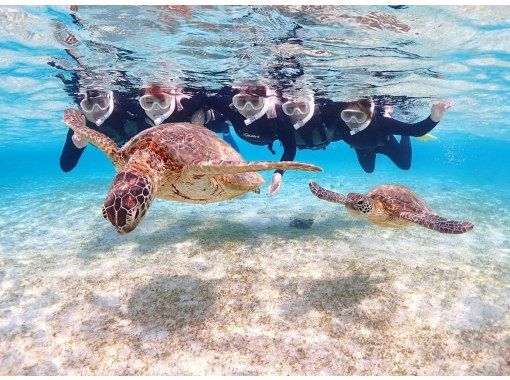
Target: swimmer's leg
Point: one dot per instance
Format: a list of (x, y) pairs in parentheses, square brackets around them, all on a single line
[(400, 153), (366, 159)]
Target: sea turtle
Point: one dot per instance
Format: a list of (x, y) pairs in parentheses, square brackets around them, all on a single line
[(178, 161), (392, 206)]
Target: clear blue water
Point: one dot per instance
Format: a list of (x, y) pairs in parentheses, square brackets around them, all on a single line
[(230, 288)]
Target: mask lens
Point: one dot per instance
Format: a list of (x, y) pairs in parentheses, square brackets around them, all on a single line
[(87, 105), (353, 116), (241, 101), (150, 102), (299, 108), (102, 103), (96, 100)]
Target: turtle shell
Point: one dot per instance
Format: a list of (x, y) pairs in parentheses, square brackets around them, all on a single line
[(397, 199)]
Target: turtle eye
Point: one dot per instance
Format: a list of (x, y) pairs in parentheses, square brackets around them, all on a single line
[(360, 202)]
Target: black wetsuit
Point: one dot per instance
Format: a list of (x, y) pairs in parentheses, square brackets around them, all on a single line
[(190, 105), (315, 134), (198, 100), (126, 120), (378, 137), (263, 131)]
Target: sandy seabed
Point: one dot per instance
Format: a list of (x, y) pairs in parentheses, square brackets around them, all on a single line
[(231, 289)]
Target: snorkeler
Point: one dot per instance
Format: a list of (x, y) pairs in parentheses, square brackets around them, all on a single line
[(369, 132), (257, 117), (165, 104), (115, 115), (305, 113)]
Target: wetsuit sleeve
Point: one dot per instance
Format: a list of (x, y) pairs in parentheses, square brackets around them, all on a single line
[(218, 124), (288, 140), (220, 102), (70, 154), (396, 127)]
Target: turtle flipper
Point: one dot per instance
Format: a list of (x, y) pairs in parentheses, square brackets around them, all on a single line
[(327, 195), (437, 223), (214, 167), (76, 121)]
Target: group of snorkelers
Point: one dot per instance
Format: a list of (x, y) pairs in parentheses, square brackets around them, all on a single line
[(258, 115)]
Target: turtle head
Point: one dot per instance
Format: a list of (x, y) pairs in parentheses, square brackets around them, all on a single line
[(359, 204), (128, 200)]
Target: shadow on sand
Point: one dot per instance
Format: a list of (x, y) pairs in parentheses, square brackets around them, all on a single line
[(216, 232), (172, 302)]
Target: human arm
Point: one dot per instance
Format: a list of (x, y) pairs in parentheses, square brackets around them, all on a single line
[(420, 128), (288, 140), (72, 151)]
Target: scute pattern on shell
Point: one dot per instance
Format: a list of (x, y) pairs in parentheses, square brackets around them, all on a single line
[(393, 206), (397, 199), (182, 143)]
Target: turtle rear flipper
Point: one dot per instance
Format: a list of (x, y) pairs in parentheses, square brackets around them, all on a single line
[(437, 223), (327, 195), (76, 121), (214, 167)]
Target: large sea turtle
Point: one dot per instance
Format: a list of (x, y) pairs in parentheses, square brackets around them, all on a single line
[(179, 161), (392, 206)]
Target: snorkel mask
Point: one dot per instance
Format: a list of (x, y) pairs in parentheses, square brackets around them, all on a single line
[(251, 107), (97, 106), (158, 107), (300, 110), (254, 102), (356, 119)]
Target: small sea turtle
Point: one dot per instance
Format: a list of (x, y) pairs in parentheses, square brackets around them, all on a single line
[(179, 161), (392, 206)]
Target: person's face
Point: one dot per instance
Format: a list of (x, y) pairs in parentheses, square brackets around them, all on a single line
[(248, 105), (297, 110), (354, 117), (157, 106), (97, 108)]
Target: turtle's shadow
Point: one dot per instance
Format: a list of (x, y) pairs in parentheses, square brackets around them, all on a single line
[(213, 232), (172, 303), (339, 297)]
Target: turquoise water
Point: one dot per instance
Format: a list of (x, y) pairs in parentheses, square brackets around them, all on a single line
[(231, 288)]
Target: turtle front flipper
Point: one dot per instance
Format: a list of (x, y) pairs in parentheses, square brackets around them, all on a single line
[(76, 121), (214, 167), (327, 195), (437, 223)]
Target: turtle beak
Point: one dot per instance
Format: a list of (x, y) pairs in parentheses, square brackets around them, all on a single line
[(125, 230)]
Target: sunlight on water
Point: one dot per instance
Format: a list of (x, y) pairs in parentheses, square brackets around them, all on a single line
[(234, 288)]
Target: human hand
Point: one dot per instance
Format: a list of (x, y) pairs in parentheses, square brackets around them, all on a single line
[(71, 39), (274, 188), (79, 141), (388, 110), (439, 109)]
